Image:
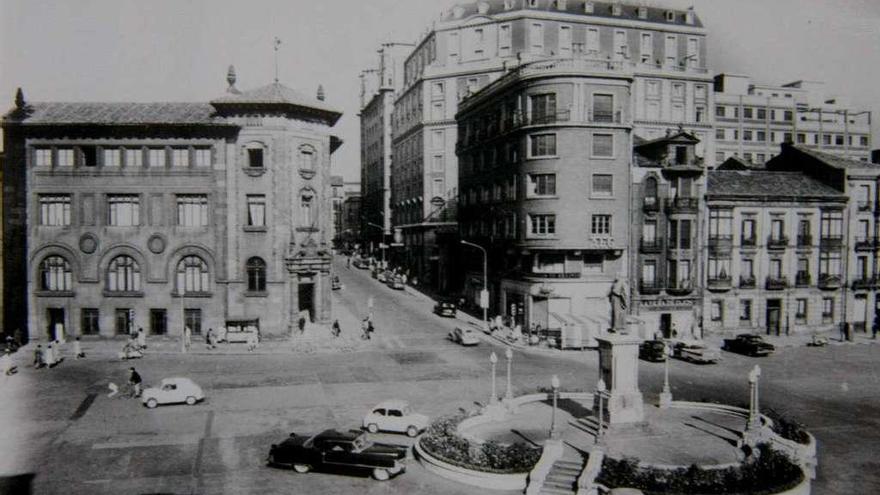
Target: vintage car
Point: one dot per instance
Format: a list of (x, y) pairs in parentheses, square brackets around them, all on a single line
[(695, 352), (332, 450), (445, 308), (396, 416), (653, 350), (395, 282), (175, 390), (335, 284), (464, 336), (748, 344), (381, 276)]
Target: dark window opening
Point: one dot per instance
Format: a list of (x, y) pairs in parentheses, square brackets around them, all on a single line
[(255, 158)]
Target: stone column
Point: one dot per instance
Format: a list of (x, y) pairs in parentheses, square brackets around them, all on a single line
[(293, 300)]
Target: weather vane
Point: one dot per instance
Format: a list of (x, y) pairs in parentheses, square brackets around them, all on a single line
[(276, 43)]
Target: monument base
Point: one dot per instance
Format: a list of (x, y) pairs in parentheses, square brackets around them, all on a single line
[(620, 407), (665, 400), (618, 368)]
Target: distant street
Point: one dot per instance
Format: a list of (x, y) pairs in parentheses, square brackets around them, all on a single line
[(94, 444)]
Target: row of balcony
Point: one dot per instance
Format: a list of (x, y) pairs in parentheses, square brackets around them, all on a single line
[(825, 282), (723, 244), (672, 205), (675, 288), (518, 119)]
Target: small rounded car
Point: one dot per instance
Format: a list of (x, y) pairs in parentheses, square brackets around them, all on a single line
[(445, 308), (395, 282), (464, 336), (395, 416), (653, 350), (176, 390), (335, 283), (695, 352)]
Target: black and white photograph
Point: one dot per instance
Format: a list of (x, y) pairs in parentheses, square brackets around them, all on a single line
[(440, 247)]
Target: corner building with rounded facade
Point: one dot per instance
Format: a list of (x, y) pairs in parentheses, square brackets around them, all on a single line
[(165, 215)]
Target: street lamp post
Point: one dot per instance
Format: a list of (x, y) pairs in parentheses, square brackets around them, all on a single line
[(666, 395), (600, 391), (509, 355), (754, 413), (485, 293), (554, 383), (494, 360)]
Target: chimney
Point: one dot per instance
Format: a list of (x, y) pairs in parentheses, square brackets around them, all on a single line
[(321, 92), (230, 78), (20, 103)]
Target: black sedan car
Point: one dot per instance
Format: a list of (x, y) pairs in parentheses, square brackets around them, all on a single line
[(653, 350), (332, 450), (748, 344), (445, 308)]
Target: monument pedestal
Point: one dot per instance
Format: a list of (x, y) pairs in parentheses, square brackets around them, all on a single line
[(619, 368)]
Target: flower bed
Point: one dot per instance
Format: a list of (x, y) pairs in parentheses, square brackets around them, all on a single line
[(770, 471), (442, 441)]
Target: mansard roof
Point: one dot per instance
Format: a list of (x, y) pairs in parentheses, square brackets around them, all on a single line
[(116, 113), (777, 186)]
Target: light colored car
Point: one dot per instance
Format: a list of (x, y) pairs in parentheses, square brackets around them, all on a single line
[(175, 390), (696, 352), (464, 336), (395, 416)]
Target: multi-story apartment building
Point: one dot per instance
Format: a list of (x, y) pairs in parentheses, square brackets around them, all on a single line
[(337, 197), (666, 214), (774, 251), (168, 215), (853, 248), (351, 218), (377, 105), (475, 43), (544, 156), (753, 120)]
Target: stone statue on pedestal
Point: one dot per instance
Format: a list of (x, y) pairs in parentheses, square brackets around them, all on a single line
[(618, 300)]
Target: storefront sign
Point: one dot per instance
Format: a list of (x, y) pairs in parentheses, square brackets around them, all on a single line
[(666, 304)]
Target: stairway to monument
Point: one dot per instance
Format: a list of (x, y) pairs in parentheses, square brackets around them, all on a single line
[(588, 424), (563, 476)]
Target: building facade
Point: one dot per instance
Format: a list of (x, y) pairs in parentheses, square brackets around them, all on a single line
[(169, 215), (476, 43), (666, 214), (544, 155), (752, 121)]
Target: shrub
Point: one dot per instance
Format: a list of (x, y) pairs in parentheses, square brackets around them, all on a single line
[(769, 472), (788, 428), (441, 440)]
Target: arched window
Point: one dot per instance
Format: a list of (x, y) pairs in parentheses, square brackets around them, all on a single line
[(307, 208), (123, 275), (256, 275), (308, 158), (55, 274), (192, 275), (650, 191)]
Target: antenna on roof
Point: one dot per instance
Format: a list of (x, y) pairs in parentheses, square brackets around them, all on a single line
[(275, 44)]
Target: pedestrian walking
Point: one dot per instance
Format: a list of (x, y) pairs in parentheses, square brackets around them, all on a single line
[(302, 324), (7, 366), (49, 356), (252, 340), (336, 330), (211, 339), (134, 379), (348, 263), (77, 348), (141, 338), (39, 362), (187, 338), (365, 328), (370, 329)]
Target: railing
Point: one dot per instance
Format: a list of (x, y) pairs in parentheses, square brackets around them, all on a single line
[(652, 287), (651, 204), (831, 242), (864, 205), (548, 118), (682, 205), (747, 283), (720, 244), (777, 242), (864, 283), (802, 279), (804, 240), (719, 283), (650, 246), (749, 242), (680, 287), (776, 283), (551, 274), (865, 243), (614, 117), (827, 281)]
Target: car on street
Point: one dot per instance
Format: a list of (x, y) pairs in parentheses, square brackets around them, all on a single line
[(176, 390), (381, 276), (653, 350), (335, 284), (445, 308), (748, 344), (464, 336), (395, 416), (695, 352), (333, 450), (360, 264)]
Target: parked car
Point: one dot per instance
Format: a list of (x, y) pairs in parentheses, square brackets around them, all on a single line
[(395, 282), (396, 416), (335, 284), (748, 344), (334, 450), (381, 276), (464, 336), (175, 390), (695, 352), (445, 308), (653, 350)]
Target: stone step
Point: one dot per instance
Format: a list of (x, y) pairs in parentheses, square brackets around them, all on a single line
[(568, 471), (559, 485), (556, 491), (569, 463), (589, 425)]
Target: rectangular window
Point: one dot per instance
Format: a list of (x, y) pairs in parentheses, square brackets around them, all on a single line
[(438, 109), (542, 185), (124, 210), (693, 52), (748, 112), (646, 48), (827, 309), (649, 232), (831, 224), (747, 269), (603, 185), (203, 157), (43, 157), (677, 112), (89, 321), (720, 111), (653, 89), (157, 157), (55, 210), (719, 268), (720, 223), (776, 269), (829, 264), (543, 108), (504, 40), (536, 38), (762, 113), (437, 163), (192, 210), (192, 318), (649, 273), (603, 108), (65, 157), (158, 321), (478, 41), (745, 310), (671, 49), (620, 47), (134, 157), (453, 47), (747, 135), (800, 314), (112, 157), (717, 310), (543, 225), (565, 41), (719, 134), (592, 41), (437, 140), (761, 136), (255, 157), (437, 188), (603, 145), (541, 145), (256, 210), (600, 225), (180, 157)]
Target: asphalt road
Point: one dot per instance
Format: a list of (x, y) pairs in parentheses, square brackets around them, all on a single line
[(62, 429)]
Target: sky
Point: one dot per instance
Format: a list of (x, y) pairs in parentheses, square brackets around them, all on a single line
[(179, 50)]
